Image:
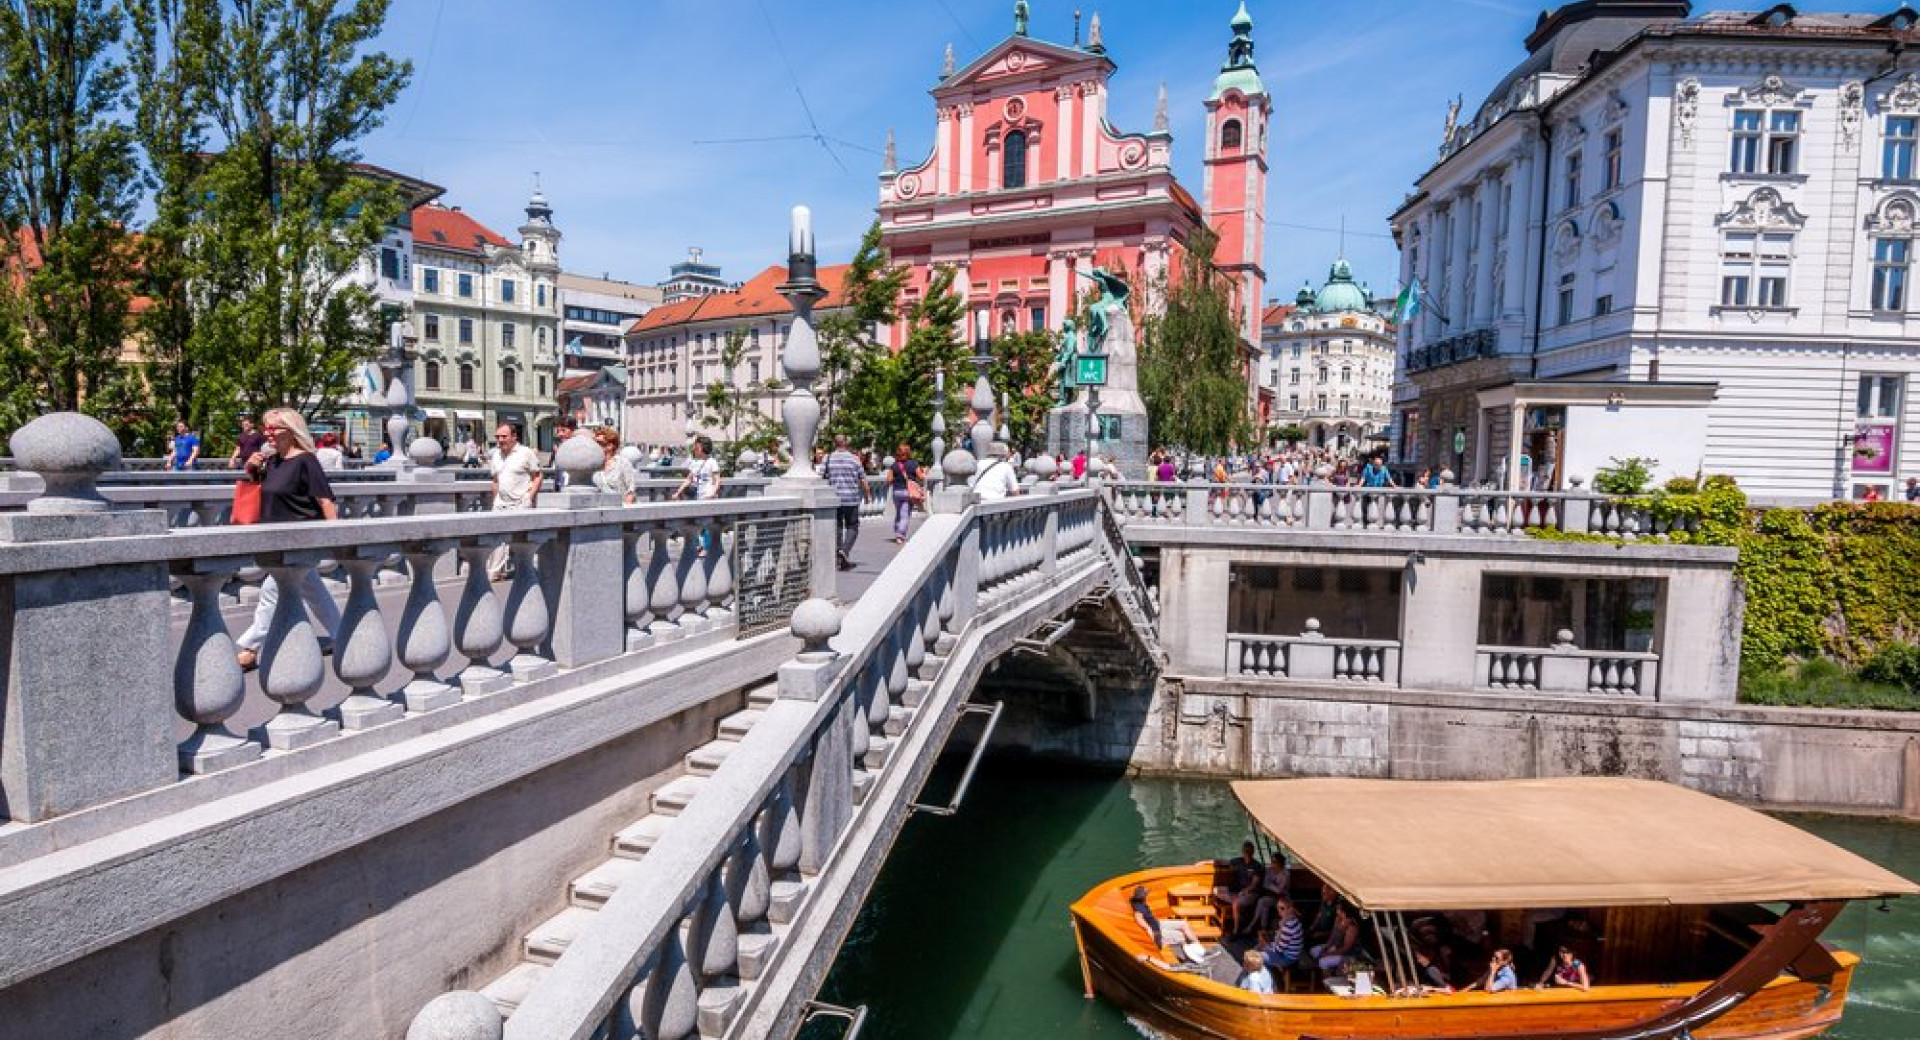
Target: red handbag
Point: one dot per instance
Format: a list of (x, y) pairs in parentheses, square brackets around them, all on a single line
[(246, 503)]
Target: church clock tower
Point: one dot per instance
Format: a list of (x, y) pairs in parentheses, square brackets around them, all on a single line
[(1236, 173)]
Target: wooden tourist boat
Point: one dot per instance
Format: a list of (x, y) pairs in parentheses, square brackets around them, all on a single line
[(1697, 918)]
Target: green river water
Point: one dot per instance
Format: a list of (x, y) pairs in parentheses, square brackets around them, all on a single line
[(966, 932)]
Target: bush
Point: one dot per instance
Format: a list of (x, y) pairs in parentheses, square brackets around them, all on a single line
[(1823, 683), (1897, 664), (1628, 476)]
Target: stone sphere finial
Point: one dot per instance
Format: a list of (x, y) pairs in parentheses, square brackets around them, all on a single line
[(1312, 628), (461, 1015), (68, 451), (425, 452), (1043, 466), (1563, 637), (815, 622), (958, 465), (578, 458)]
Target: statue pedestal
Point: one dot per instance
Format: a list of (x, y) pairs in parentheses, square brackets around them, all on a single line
[(1067, 435)]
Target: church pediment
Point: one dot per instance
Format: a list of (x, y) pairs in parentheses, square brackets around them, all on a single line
[(1018, 57)]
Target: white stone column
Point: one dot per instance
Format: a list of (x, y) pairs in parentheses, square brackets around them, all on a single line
[(1519, 176), (1489, 213), (1432, 260), (1459, 235)]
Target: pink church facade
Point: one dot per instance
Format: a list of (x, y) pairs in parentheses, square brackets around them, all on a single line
[(1027, 184)]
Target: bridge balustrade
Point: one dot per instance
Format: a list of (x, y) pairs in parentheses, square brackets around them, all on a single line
[(698, 946), (1450, 510)]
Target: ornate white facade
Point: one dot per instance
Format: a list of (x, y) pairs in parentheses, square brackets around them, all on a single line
[(1327, 364), (1686, 238)]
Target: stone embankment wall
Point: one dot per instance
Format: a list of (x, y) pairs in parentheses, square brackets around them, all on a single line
[(1782, 758)]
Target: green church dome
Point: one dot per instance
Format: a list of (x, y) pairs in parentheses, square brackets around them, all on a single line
[(1340, 293)]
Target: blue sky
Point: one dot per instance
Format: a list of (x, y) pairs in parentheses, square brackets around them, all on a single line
[(607, 99)]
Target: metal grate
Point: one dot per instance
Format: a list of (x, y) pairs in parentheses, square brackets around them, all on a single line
[(772, 561)]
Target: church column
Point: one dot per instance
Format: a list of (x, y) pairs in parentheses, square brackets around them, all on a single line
[(966, 146), (1459, 233), (1059, 289), (942, 149), (1063, 132), (1488, 209), (1519, 174), (1090, 115)]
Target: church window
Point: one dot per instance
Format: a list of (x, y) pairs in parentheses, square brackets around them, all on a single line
[(1013, 160), (1896, 155), (1230, 136), (1037, 319)]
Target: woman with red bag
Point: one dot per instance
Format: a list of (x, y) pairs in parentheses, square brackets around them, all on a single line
[(293, 488)]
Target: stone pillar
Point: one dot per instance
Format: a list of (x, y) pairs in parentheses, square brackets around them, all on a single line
[(1488, 210), (827, 806), (1312, 657), (1697, 636), (1513, 298), (1432, 261), (1439, 622), (1459, 236), (1193, 609)]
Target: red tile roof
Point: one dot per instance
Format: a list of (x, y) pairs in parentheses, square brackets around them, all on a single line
[(1276, 314), (443, 228), (757, 298)]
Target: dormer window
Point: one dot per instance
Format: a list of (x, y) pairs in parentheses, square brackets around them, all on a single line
[(1013, 160), (1230, 136)]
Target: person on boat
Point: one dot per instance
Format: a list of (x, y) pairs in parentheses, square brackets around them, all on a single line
[(1173, 933), (1499, 977), (1341, 942), (1238, 897), (1286, 944), (1255, 978), (1566, 970), (1273, 891)]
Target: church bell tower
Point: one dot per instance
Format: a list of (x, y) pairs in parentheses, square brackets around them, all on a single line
[(1236, 173)]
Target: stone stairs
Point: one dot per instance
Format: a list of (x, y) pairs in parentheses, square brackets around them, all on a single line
[(628, 848)]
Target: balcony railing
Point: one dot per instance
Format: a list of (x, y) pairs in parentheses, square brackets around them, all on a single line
[(1564, 668), (1467, 346), (1313, 657), (1452, 510)]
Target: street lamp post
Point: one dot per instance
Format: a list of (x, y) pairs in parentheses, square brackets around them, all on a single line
[(982, 432), (938, 449), (801, 355)]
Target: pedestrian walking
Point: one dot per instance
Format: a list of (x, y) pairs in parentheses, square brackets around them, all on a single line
[(516, 485), (247, 444), (849, 480), (293, 488), (903, 486), (185, 448), (615, 475), (997, 479), (703, 479), (470, 453)]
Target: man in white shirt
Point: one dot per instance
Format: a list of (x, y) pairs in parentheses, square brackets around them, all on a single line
[(516, 485), (996, 478)]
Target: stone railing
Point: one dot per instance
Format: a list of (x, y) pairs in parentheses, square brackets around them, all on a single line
[(1565, 668), (85, 611), (689, 951), (1449, 510), (1313, 657)]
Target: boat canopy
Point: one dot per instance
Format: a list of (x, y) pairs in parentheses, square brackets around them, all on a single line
[(1567, 842)]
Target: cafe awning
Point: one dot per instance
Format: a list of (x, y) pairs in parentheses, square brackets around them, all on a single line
[(1566, 842)]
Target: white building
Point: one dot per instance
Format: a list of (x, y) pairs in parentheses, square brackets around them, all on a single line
[(1327, 363), (1679, 237), (487, 323), (675, 353), (387, 271)]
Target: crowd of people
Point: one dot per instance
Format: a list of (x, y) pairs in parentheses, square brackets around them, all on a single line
[(1278, 931)]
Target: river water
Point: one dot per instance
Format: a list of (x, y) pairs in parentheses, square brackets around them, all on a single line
[(966, 933)]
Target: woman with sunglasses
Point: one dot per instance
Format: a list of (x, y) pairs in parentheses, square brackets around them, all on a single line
[(293, 488)]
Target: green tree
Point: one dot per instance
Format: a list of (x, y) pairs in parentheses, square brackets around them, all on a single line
[(270, 228), (69, 184), (1190, 358), (726, 405), (888, 398), (870, 289), (1023, 371)]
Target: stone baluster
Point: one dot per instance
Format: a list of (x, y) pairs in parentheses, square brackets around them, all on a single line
[(425, 638), (665, 1005), (691, 575), (528, 621), (637, 592), (207, 685), (873, 684), (291, 668), (718, 575), (362, 651), (750, 892), (713, 934), (477, 631), (663, 581)]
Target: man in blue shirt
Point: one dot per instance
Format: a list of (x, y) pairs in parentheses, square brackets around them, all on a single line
[(186, 447)]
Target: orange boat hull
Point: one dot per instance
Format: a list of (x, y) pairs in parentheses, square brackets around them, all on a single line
[(1190, 1006)]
